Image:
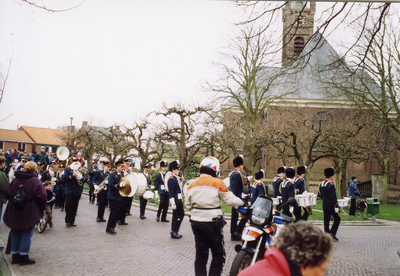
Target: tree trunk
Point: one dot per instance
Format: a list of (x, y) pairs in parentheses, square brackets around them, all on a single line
[(385, 179), (344, 178)]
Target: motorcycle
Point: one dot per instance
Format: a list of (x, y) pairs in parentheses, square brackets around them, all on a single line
[(262, 225)]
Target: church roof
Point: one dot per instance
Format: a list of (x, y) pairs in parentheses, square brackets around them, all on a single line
[(307, 78)]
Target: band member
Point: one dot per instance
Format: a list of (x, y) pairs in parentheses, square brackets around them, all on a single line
[(49, 174), (161, 193), (236, 186), (175, 197), (57, 188), (143, 202), (114, 198), (73, 192), (299, 188), (258, 186), (127, 201), (277, 181), (91, 173), (101, 177), (327, 191), (204, 197), (286, 189)]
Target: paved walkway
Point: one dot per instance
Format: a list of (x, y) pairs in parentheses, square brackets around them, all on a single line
[(144, 247)]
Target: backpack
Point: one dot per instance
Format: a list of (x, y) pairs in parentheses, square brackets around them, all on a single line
[(19, 198)]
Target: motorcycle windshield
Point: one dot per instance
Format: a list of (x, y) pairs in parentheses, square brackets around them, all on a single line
[(262, 208)]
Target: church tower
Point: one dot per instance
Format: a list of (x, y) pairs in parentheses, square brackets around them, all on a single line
[(298, 27)]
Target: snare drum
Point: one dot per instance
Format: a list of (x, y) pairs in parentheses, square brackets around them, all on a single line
[(302, 200), (343, 202)]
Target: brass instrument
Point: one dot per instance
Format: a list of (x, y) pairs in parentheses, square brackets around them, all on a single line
[(62, 153), (77, 173), (126, 190), (101, 187)]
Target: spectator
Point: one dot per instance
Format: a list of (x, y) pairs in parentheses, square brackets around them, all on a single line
[(50, 157), (42, 157), (80, 159), (299, 249), (22, 221), (11, 157), (3, 186), (354, 193), (32, 157), (7, 153)]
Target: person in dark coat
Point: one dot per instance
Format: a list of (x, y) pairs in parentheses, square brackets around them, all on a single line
[(143, 201), (73, 192), (327, 191), (175, 197), (236, 180), (258, 186), (22, 221), (114, 198), (162, 193)]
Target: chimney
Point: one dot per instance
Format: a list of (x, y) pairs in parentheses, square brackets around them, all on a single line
[(71, 129), (84, 123)]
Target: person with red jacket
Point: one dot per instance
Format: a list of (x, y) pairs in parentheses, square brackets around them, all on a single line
[(299, 249)]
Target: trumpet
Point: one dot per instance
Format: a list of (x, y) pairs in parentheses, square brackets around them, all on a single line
[(101, 187)]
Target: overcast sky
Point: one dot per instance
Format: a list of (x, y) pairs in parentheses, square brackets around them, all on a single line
[(107, 62)]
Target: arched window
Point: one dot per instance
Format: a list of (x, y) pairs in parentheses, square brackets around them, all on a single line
[(320, 120), (298, 45)]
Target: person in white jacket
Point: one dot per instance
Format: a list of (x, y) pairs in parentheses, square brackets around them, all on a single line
[(203, 200)]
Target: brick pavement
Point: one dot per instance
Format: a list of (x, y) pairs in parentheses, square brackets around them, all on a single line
[(144, 247)]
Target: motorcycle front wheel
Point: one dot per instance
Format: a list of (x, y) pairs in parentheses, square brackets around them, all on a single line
[(241, 261), (43, 223)]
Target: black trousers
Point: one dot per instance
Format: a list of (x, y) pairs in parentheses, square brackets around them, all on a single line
[(163, 207), (71, 207), (122, 209), (115, 210), (207, 235), (327, 218), (177, 217), (102, 201), (234, 220), (353, 206), (92, 196), (58, 201), (143, 203), (129, 205)]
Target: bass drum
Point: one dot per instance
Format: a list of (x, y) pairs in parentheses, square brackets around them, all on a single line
[(186, 185), (138, 184)]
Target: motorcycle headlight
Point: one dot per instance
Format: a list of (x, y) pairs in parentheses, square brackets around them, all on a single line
[(257, 220)]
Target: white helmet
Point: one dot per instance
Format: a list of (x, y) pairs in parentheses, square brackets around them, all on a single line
[(211, 162)]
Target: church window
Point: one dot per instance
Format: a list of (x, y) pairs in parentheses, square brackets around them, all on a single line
[(298, 45), (321, 120)]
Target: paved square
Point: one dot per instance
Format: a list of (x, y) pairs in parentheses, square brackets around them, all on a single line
[(144, 247)]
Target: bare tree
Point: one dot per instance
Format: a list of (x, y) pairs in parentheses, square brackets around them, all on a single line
[(144, 140), (245, 91), (183, 127)]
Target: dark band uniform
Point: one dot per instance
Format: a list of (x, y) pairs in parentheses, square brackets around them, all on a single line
[(299, 188), (258, 189), (91, 173), (236, 187), (101, 196), (114, 199), (73, 192), (276, 183), (143, 202), (327, 192), (164, 198), (174, 191)]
